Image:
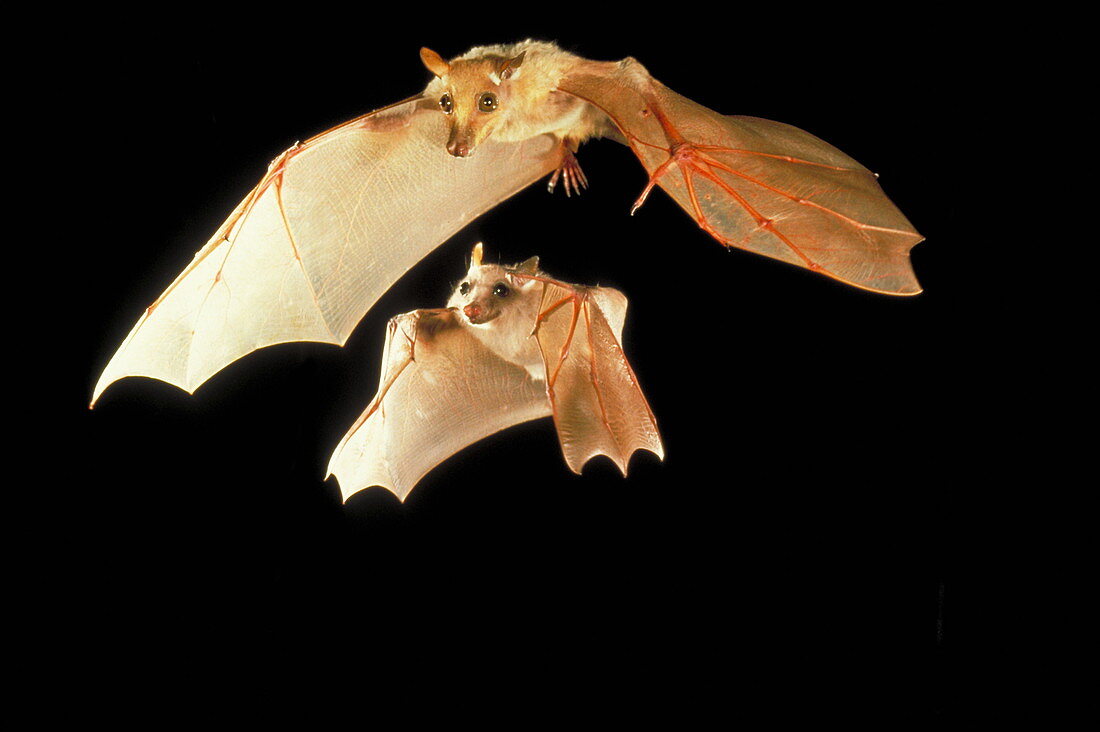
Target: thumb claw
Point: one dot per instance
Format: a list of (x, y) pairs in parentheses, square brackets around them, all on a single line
[(642, 198)]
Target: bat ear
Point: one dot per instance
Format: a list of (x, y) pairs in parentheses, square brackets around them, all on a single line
[(475, 255), (528, 266), (434, 62), (510, 68)]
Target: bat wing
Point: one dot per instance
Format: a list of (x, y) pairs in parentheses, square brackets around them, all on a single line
[(598, 406), (441, 389), (331, 226), (758, 185)]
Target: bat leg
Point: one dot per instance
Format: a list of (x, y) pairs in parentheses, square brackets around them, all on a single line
[(695, 160), (569, 172)]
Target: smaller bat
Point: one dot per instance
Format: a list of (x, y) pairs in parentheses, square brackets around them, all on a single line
[(512, 345)]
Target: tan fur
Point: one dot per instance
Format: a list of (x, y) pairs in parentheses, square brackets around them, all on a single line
[(528, 102)]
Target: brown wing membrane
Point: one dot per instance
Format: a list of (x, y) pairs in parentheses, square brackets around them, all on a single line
[(334, 222), (758, 185), (598, 406), (441, 389)]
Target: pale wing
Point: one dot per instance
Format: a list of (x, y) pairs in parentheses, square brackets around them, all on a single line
[(332, 225), (440, 390), (598, 406), (758, 185)]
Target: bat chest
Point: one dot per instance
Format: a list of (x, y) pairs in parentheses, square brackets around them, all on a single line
[(513, 342), (557, 114)]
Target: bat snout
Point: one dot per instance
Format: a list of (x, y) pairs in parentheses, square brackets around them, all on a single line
[(479, 314), (458, 149)]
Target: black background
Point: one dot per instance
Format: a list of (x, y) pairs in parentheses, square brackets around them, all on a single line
[(790, 557)]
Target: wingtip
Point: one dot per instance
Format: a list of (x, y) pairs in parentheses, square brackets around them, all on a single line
[(347, 493), (622, 461), (100, 387), (97, 392), (344, 494), (910, 289)]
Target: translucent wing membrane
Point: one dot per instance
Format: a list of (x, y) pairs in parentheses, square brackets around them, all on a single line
[(441, 389), (334, 223), (598, 406), (758, 185)]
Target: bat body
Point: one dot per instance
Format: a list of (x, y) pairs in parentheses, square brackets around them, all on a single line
[(339, 218), (510, 93), (512, 345)]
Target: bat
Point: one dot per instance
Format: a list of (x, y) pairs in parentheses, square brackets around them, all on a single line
[(337, 219), (512, 345)]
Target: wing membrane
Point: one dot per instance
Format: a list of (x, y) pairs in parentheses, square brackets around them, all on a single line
[(441, 389), (762, 186), (332, 225), (598, 406)]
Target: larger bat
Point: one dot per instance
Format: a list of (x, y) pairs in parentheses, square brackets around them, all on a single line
[(339, 218)]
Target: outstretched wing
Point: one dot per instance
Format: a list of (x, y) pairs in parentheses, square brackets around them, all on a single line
[(331, 226), (598, 406), (441, 389), (758, 185)]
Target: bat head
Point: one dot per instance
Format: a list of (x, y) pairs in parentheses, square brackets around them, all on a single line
[(475, 92), (493, 293)]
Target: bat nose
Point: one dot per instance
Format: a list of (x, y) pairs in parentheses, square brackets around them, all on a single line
[(458, 149), (473, 311)]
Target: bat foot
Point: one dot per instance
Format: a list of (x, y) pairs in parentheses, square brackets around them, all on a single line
[(569, 172)]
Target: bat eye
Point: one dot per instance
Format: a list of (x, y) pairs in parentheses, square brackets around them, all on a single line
[(464, 288), (501, 290), (487, 102), (446, 104)]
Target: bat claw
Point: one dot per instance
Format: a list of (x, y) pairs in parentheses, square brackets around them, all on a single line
[(681, 153), (645, 194), (569, 172)]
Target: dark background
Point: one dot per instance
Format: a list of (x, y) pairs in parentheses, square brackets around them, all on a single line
[(791, 556)]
